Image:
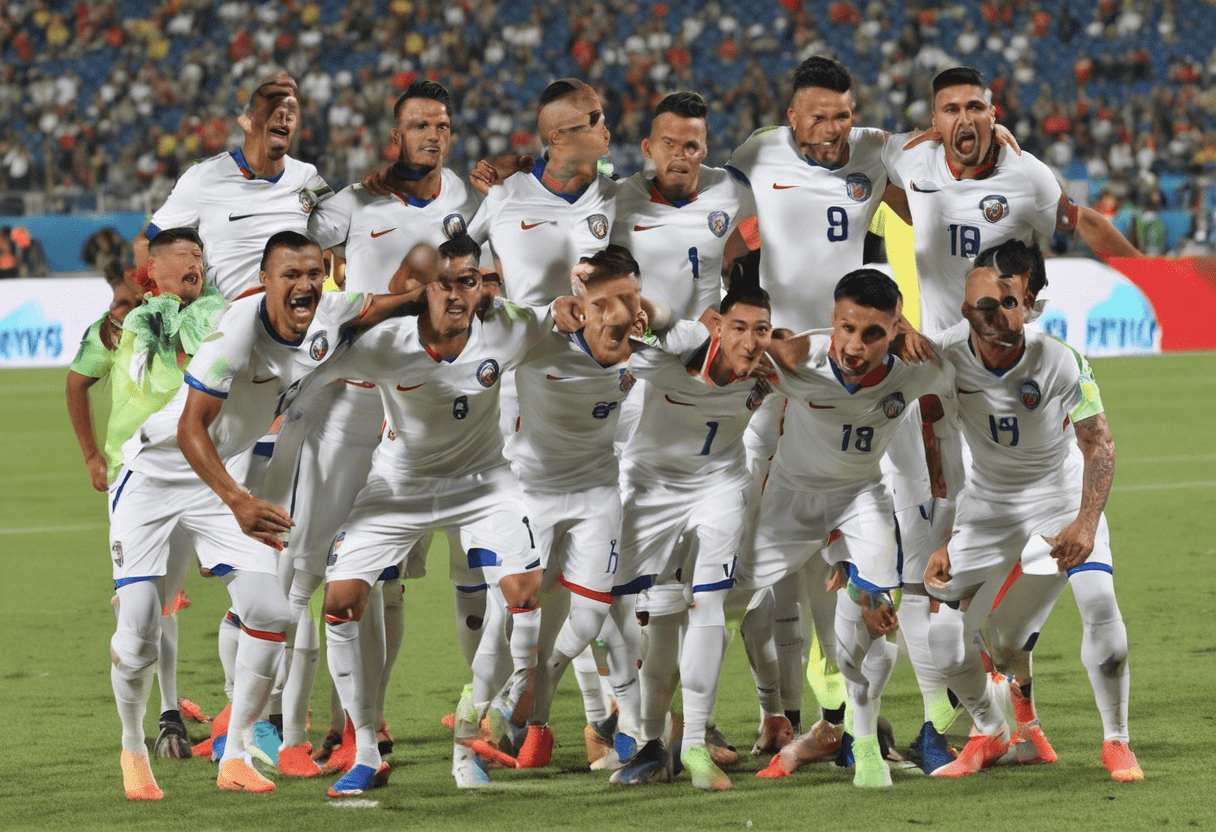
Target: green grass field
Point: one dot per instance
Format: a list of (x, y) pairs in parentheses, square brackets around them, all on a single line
[(60, 762)]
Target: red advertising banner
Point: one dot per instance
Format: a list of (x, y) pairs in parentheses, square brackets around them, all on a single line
[(1183, 294)]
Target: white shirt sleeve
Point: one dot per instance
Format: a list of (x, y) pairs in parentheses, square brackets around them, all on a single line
[(180, 209), (225, 352), (479, 227), (329, 222), (1047, 192), (892, 154)]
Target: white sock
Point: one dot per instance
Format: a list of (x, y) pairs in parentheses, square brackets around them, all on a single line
[(787, 632), (701, 663), (394, 633), (229, 638), (492, 663), (756, 627), (957, 656), (866, 664), (914, 636), (166, 663), (304, 657), (135, 644), (1104, 648), (257, 662), (658, 674), (525, 636), (470, 621), (346, 668), (623, 640), (583, 623), (588, 676)]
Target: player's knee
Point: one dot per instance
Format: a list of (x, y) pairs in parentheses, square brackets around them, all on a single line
[(586, 618), (268, 614), (521, 590), (708, 609), (135, 649), (667, 599), (345, 600)]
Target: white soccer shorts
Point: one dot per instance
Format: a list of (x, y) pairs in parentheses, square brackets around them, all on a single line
[(577, 536)]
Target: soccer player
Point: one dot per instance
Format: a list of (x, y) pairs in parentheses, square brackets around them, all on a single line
[(678, 221), (438, 376), (263, 351), (826, 493), (685, 477), (138, 388), (540, 222), (1019, 393), (239, 198)]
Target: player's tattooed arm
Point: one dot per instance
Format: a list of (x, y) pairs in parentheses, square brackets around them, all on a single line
[(1097, 232), (259, 519), (1075, 541), (82, 423), (931, 411)]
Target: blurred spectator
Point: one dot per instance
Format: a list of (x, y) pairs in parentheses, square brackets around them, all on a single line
[(30, 253), (105, 247)]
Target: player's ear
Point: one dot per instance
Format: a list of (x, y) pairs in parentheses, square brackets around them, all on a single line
[(262, 277), (245, 122), (396, 136), (793, 118), (646, 148)]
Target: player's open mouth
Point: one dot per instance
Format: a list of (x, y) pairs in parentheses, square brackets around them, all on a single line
[(302, 304), (281, 132), (679, 170), (965, 141), (190, 278)]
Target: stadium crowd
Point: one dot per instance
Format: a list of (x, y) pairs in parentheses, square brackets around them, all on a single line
[(117, 98)]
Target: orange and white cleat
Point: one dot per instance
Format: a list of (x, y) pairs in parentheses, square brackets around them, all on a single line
[(776, 733), (1119, 761), (297, 761), (980, 752), (823, 739), (537, 749), (137, 779), (192, 712), (236, 775)]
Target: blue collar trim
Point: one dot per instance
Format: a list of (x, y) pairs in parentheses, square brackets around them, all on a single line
[(239, 157), (270, 329)]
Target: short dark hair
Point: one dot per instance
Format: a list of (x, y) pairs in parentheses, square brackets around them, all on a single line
[(459, 246), (612, 261), (1016, 257), (686, 104), (169, 236), (825, 73), (870, 288), (745, 284), (423, 88), (559, 89), (958, 76), (293, 240)]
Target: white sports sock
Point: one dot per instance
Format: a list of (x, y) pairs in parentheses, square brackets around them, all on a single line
[(394, 633), (131, 695), (701, 663), (492, 663), (658, 673), (346, 668), (229, 638), (583, 623), (1104, 648), (957, 656), (622, 637), (135, 645), (166, 663), (756, 627), (866, 664), (525, 635), (787, 632), (470, 621), (304, 657), (257, 662), (588, 676), (914, 636)]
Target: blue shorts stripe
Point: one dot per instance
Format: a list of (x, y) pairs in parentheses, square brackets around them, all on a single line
[(221, 569), (263, 449), (479, 557), (477, 588), (856, 580), (392, 573), (635, 586), (118, 492), (202, 388), (121, 582), (714, 587), (1092, 567)]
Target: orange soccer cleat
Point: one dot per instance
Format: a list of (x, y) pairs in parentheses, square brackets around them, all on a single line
[(1121, 762), (137, 779)]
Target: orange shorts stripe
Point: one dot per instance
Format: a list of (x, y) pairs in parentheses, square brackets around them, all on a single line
[(264, 635), (1014, 574), (602, 597)]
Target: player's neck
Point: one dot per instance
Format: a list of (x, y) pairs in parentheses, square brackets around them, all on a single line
[(441, 345), (984, 168), (259, 162), (998, 356), (425, 187), (720, 371), (674, 196), (568, 176)]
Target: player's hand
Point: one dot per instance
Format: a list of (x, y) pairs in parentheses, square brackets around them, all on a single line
[(912, 347), (836, 581), (711, 318), (922, 136), (98, 469), (937, 572), (1072, 545), (261, 520), (881, 621), (568, 314), (483, 176), (381, 182), (1002, 136)]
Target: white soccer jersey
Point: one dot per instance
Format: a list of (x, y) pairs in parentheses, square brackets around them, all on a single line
[(257, 373), (236, 212), (955, 219), (813, 220), (1018, 421), (538, 235), (835, 433), (442, 416), (379, 231), (679, 247), (569, 406), (688, 428)]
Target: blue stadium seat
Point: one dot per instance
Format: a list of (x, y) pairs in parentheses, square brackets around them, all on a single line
[(1177, 225)]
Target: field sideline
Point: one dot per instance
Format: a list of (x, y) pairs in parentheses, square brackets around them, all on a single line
[(60, 766)]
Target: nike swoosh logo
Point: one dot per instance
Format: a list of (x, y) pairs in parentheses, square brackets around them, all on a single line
[(376, 234), (645, 227), (814, 406), (235, 217), (556, 378), (961, 390), (673, 401), (408, 389), (526, 225), (923, 190), (777, 187)]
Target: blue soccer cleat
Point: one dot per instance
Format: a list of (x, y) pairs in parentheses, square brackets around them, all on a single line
[(651, 763), (358, 780)]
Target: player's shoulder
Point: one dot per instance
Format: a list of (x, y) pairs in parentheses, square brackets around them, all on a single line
[(714, 179), (954, 338), (868, 140), (219, 166), (633, 189), (299, 168)]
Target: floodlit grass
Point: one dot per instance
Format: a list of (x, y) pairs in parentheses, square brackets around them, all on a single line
[(60, 766)]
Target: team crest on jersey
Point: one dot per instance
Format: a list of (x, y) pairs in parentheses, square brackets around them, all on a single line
[(598, 224), (718, 222), (454, 225), (333, 550), (392, 435), (307, 200), (116, 551), (487, 373), (1030, 394), (626, 383), (858, 186), (318, 347), (994, 207), (893, 405), (760, 390)]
